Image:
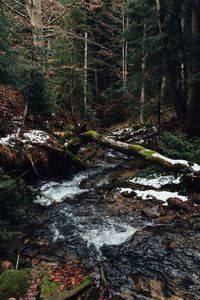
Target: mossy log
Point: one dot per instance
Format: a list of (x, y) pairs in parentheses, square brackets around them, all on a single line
[(128, 149)]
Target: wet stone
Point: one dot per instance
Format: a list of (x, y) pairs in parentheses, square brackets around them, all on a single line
[(195, 198), (151, 212), (167, 218), (179, 204)]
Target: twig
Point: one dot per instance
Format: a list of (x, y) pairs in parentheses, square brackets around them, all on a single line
[(14, 10), (19, 177), (62, 14)]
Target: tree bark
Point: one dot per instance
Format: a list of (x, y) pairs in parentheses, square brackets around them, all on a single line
[(143, 86), (34, 10), (124, 45), (85, 73)]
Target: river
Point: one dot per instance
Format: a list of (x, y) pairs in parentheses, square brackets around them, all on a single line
[(86, 217)]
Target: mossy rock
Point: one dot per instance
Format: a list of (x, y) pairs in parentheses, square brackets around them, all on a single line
[(14, 283), (47, 287)]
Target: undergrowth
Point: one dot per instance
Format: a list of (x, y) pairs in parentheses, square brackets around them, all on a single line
[(179, 146)]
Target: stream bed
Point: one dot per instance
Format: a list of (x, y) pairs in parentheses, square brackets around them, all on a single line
[(89, 218)]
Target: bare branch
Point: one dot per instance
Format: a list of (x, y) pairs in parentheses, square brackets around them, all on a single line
[(21, 4), (48, 6), (63, 13), (14, 10)]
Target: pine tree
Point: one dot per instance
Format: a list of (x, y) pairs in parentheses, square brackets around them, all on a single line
[(9, 69)]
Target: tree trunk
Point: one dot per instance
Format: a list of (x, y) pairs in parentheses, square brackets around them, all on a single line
[(172, 64), (85, 73), (124, 46), (34, 10), (143, 86), (194, 88), (152, 156)]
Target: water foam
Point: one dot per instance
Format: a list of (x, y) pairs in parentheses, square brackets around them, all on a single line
[(112, 234), (55, 192)]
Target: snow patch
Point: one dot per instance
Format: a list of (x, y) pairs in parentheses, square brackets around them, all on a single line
[(172, 161), (156, 182), (160, 195), (9, 139), (195, 167), (126, 190), (34, 136)]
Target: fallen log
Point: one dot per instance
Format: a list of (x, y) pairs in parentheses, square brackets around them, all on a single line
[(36, 157), (152, 156)]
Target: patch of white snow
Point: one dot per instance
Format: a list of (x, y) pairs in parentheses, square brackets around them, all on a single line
[(160, 195), (36, 136), (126, 190), (195, 167), (156, 182), (172, 161)]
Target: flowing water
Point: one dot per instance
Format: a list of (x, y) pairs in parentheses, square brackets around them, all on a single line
[(143, 258)]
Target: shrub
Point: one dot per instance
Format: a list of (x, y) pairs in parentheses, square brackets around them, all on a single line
[(179, 146)]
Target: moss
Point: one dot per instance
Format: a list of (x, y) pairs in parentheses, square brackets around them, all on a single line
[(90, 133), (136, 148), (14, 283), (47, 287), (147, 153), (74, 141)]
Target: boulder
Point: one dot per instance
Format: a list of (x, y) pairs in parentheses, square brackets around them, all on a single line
[(179, 204), (151, 212)]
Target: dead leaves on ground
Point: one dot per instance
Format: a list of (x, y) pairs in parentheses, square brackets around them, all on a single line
[(69, 275)]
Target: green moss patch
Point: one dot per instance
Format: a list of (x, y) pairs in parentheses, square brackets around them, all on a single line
[(90, 133), (147, 153), (48, 287), (14, 283), (136, 148)]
